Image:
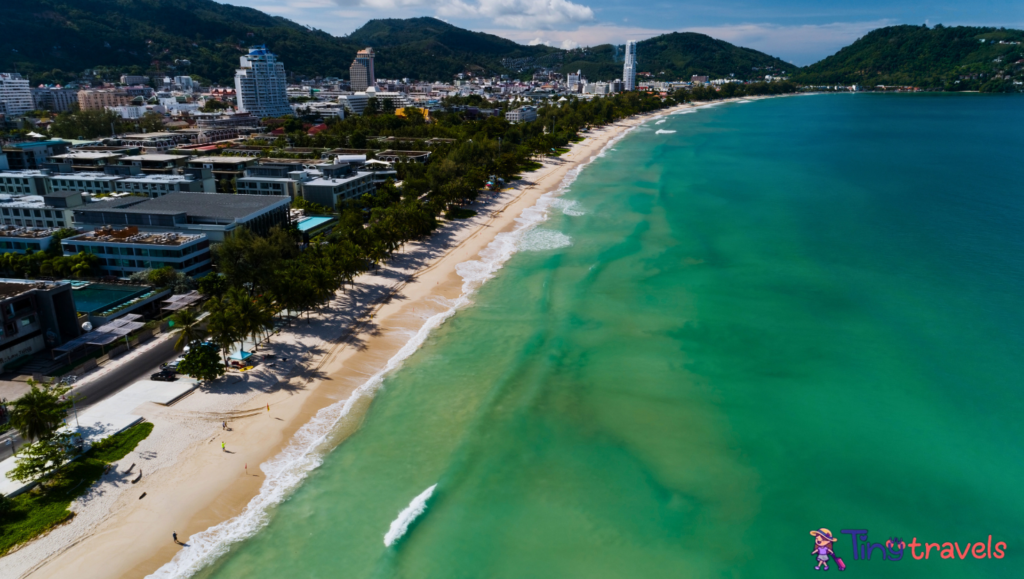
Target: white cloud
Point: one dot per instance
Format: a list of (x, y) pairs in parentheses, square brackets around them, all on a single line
[(568, 44), (520, 14), (800, 45)]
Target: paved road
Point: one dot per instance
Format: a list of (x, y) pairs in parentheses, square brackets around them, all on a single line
[(119, 377)]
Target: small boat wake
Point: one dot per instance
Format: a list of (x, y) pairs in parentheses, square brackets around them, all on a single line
[(405, 518)]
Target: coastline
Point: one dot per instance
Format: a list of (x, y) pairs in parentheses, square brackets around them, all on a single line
[(389, 311)]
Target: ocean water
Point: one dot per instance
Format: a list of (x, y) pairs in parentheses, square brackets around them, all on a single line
[(783, 315)]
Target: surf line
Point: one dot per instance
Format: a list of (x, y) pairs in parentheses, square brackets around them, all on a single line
[(409, 514)]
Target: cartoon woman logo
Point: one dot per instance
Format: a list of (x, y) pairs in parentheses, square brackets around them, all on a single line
[(823, 549)]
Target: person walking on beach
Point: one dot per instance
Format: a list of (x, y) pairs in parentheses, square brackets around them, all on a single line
[(224, 425), (175, 535), (222, 447)]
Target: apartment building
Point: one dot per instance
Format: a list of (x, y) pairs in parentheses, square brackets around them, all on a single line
[(58, 100), (525, 114), (338, 183), (261, 85), (99, 99), (18, 239), (51, 212), (360, 73), (32, 155), (15, 95)]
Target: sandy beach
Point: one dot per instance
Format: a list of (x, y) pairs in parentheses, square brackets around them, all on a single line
[(321, 373)]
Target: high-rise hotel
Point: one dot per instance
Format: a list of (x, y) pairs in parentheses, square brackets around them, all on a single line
[(629, 66), (360, 74), (260, 84)]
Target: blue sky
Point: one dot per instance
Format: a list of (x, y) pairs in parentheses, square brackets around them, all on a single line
[(800, 31)]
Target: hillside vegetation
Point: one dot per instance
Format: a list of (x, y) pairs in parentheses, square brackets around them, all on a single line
[(678, 56), (951, 58)]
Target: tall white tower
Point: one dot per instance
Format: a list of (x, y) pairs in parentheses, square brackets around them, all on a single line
[(260, 85), (629, 66)]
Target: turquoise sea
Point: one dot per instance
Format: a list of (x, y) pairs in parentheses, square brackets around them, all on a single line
[(786, 314)]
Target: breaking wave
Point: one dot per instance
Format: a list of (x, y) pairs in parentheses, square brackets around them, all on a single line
[(409, 514), (544, 240), (663, 132)]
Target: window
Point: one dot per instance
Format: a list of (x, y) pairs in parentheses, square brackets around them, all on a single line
[(28, 320), (58, 214), (7, 211), (48, 213), (38, 213)]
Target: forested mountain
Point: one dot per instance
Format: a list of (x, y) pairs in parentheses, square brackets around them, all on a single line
[(936, 57), (429, 49), (678, 56), (150, 35), (55, 40)]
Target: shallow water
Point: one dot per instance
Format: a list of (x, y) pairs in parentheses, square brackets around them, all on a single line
[(790, 314)]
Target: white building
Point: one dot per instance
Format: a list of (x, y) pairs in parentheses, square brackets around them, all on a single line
[(260, 85), (629, 66), (15, 95), (129, 112), (525, 114), (184, 83)]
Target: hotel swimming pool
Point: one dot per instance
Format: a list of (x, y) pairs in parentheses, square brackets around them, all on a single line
[(312, 222), (98, 297)]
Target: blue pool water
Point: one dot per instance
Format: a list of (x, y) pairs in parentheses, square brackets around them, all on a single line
[(311, 222)]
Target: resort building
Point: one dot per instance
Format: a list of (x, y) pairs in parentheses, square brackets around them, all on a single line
[(261, 85), (160, 185), (58, 100), (338, 183), (15, 239), (629, 66), (36, 316), (51, 211), (90, 182), (156, 164), (100, 99), (155, 143), (90, 161), (32, 155), (15, 95), (360, 74), (276, 177), (526, 114), (224, 169), (391, 156), (216, 216), (127, 250), (25, 182)]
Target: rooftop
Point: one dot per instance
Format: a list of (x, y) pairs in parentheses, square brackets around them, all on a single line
[(157, 158), (158, 135), (213, 205), (232, 160), (86, 176), (157, 178), (336, 180), (27, 232), (13, 287), (86, 155), (132, 234)]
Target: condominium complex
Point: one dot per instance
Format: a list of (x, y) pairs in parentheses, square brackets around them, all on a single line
[(629, 66), (260, 85), (58, 100), (526, 114), (15, 95), (360, 74), (99, 99)]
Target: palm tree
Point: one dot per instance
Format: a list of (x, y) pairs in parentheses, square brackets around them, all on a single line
[(222, 327), (187, 321), (40, 412)]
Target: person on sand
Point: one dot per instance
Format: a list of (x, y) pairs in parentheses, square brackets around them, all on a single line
[(222, 447), (822, 546), (224, 425), (175, 535)]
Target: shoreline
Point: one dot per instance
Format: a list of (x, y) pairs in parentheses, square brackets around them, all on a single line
[(355, 342)]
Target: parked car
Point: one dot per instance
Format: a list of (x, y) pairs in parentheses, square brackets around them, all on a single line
[(165, 375)]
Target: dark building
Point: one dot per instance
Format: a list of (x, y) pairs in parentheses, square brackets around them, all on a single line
[(36, 316)]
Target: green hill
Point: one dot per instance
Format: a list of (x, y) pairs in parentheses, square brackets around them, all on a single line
[(926, 57), (149, 35), (678, 56), (429, 49)]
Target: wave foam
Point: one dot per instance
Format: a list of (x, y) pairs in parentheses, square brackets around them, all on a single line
[(544, 240), (405, 518), (569, 207), (305, 452), (663, 132), (659, 122)]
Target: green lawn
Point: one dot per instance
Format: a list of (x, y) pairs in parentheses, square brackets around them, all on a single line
[(32, 513)]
